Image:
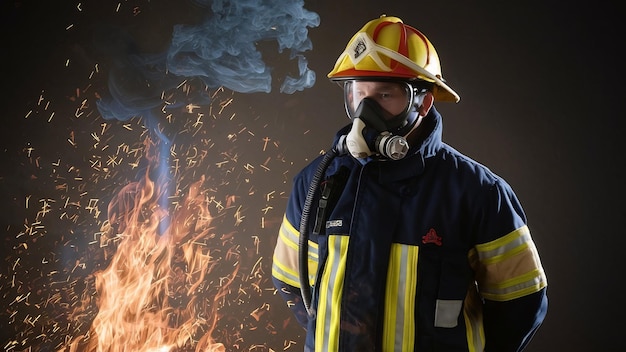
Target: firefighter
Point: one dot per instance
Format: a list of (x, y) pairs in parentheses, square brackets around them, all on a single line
[(407, 244)]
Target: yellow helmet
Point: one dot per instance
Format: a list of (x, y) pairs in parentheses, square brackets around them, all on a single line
[(388, 48)]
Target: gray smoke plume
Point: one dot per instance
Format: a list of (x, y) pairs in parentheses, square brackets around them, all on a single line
[(220, 51), (223, 49)]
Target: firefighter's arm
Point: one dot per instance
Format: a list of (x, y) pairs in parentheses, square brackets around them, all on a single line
[(508, 270), (513, 285), (285, 262), (510, 325), (294, 300), (285, 272)]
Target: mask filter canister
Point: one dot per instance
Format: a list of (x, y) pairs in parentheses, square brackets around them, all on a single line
[(391, 146)]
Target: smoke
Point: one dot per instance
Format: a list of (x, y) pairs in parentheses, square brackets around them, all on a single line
[(223, 49), (220, 51)]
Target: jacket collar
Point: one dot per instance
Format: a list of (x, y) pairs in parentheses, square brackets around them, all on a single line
[(429, 134)]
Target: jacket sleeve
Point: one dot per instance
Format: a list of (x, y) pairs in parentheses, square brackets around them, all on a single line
[(292, 296), (508, 272), (510, 325), (285, 269), (285, 265)]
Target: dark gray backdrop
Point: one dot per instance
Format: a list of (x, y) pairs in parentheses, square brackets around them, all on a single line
[(540, 88)]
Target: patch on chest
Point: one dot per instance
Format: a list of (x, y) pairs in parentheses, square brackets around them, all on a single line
[(334, 223), (432, 237)]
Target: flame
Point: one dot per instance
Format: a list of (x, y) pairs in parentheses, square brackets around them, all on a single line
[(104, 261), (153, 295)]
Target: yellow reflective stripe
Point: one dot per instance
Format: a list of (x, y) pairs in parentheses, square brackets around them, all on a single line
[(517, 287), (509, 267), (291, 237), (285, 273), (393, 281), (498, 249), (399, 320), (409, 298), (285, 260), (330, 292), (505, 255), (473, 315)]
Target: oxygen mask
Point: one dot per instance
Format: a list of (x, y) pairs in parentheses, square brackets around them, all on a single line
[(382, 113)]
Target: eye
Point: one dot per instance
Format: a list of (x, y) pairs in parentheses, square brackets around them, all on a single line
[(386, 95)]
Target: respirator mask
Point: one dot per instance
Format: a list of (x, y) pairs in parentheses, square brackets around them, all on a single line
[(383, 113)]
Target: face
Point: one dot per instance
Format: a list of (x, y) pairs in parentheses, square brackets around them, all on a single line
[(391, 96)]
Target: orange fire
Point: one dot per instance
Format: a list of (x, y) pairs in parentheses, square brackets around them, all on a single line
[(156, 295)]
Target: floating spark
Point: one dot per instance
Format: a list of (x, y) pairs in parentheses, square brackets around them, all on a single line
[(85, 267)]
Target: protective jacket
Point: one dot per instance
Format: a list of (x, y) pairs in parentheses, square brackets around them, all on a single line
[(428, 253)]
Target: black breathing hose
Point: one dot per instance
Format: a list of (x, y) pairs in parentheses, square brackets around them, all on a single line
[(303, 244)]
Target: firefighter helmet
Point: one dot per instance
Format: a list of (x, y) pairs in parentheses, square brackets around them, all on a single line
[(387, 48)]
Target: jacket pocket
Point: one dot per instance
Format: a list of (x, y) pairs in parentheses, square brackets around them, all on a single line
[(453, 284), (447, 312)]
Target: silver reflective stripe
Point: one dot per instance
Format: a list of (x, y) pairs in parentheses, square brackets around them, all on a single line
[(513, 242), (285, 260), (284, 275), (292, 238), (524, 284), (330, 292), (399, 327), (509, 267)]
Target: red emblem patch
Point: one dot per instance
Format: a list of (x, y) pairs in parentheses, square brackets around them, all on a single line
[(431, 237)]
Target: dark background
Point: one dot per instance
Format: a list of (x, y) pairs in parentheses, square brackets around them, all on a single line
[(540, 88)]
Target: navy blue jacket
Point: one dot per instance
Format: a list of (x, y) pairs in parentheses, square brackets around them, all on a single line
[(428, 253)]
